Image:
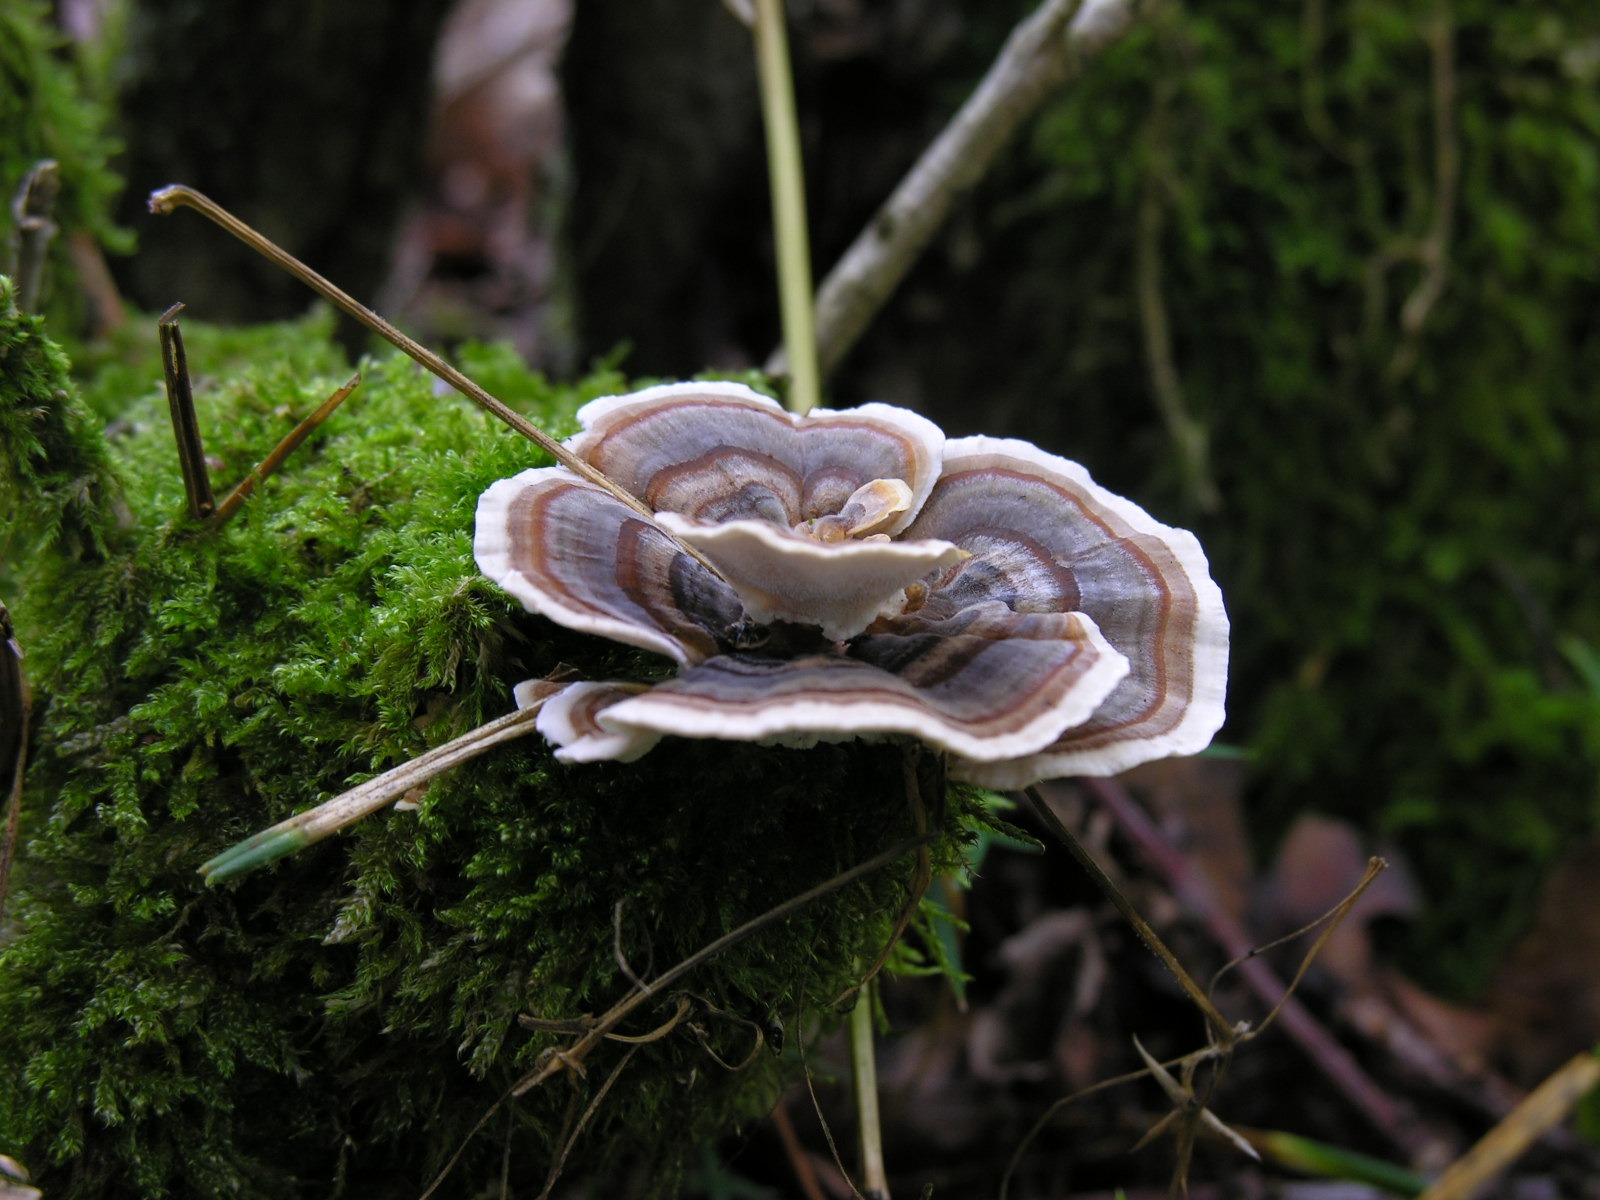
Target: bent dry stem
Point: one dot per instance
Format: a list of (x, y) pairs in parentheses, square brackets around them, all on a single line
[(165, 200), (174, 196), (315, 824)]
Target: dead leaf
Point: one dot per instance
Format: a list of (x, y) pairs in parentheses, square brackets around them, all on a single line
[(1546, 996)]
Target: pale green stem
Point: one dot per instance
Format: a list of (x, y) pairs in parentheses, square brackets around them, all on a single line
[(788, 206), (864, 1069)]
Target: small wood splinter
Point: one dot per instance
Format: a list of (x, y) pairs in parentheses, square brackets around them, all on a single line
[(185, 424), (191, 447)]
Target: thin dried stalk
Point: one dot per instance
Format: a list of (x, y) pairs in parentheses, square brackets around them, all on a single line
[(1221, 1029), (787, 180), (572, 1058), (235, 499), (1545, 1107), (185, 424), (317, 823), (1385, 1115), (864, 1075), (175, 196)]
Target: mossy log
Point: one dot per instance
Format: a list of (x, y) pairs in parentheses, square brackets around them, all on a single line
[(343, 1020)]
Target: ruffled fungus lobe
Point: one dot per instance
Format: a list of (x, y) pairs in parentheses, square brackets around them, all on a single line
[(870, 578)]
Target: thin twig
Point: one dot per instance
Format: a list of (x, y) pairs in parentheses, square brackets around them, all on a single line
[(505, 1153), (174, 196), (921, 878), (822, 1119), (804, 1173), (185, 424), (788, 206), (1221, 1029), (1434, 248), (1545, 1107), (234, 500), (571, 1138), (1191, 1111), (617, 952), (575, 1053), (1049, 1114), (599, 1029), (1333, 919), (702, 1036), (1383, 1113), (1313, 89), (1043, 54), (1188, 435)]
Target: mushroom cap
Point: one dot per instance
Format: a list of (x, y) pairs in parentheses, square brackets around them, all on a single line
[(1025, 620), (719, 451), (1043, 533)]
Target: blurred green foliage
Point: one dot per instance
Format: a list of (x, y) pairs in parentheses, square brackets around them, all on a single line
[(1371, 230), (55, 103), (57, 488)]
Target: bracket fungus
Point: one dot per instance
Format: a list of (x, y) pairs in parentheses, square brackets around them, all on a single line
[(855, 574)]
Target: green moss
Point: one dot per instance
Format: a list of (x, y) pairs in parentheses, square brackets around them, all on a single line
[(346, 1017), (56, 485), (1407, 535)]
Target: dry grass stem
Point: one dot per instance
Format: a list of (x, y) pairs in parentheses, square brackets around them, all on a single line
[(166, 200), (1221, 1029), (1545, 1107), (234, 500)]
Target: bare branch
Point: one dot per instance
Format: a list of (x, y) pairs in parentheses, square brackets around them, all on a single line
[(1043, 53)]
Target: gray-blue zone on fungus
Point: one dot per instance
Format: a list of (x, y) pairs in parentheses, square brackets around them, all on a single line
[(1069, 633), (857, 575)]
